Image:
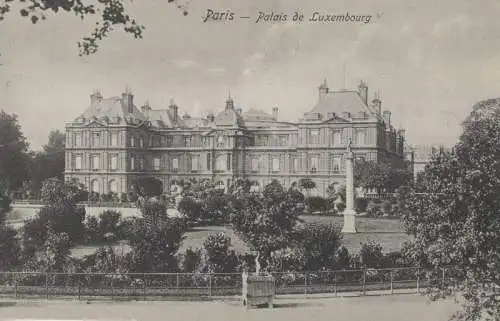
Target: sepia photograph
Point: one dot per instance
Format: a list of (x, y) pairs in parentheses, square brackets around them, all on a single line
[(242, 160)]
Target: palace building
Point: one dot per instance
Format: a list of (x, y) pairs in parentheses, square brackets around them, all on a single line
[(114, 142)]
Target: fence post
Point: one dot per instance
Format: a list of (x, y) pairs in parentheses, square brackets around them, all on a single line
[(442, 280), (210, 285), (418, 280), (112, 288), (177, 281), (392, 280), (364, 281), (15, 284), (305, 283), (335, 283), (46, 286), (144, 288)]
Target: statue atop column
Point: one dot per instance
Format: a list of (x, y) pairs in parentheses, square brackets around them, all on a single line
[(349, 212)]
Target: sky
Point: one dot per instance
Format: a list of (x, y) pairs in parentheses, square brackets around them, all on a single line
[(430, 60)]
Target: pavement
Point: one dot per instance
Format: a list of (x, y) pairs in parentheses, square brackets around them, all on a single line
[(372, 308)]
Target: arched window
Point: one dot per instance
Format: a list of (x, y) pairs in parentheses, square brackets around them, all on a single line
[(113, 186), (94, 186)]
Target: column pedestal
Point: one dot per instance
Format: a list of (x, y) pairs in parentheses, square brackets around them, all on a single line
[(349, 222)]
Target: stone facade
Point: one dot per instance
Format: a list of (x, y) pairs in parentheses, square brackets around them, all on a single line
[(113, 142)]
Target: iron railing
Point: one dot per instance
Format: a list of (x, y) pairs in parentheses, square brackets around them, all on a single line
[(84, 286)]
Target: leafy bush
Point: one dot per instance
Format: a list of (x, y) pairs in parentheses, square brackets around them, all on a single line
[(317, 203), (340, 207), (10, 250), (190, 208), (109, 222), (190, 260), (361, 204), (320, 242), (288, 259), (342, 258), (219, 258), (92, 231), (124, 198), (373, 209), (387, 207), (371, 255)]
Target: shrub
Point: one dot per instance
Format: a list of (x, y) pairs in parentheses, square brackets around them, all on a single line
[(109, 222), (123, 198), (361, 204), (190, 208), (342, 258), (386, 207), (320, 242), (373, 209), (288, 259), (219, 258), (10, 250), (317, 203), (190, 260), (92, 232), (340, 207), (371, 255)]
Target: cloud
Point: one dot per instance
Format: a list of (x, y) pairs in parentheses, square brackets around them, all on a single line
[(216, 70), (183, 64)]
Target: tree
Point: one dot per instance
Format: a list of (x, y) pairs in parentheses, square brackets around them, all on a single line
[(49, 163), (320, 243), (220, 258), (148, 186), (266, 221), (61, 212), (454, 213), (380, 175), (14, 159), (111, 13), (307, 184)]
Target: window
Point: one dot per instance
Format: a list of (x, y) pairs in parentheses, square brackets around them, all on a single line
[(187, 141), (337, 138), (132, 142), (276, 164), (94, 186), (77, 162), (220, 141), (314, 164), (175, 164), (141, 142), (113, 186), (220, 163), (262, 140), (114, 139), (336, 162), (228, 162), (314, 136), (295, 164), (194, 163), (170, 140), (283, 140), (209, 161), (113, 162), (132, 163), (205, 141), (140, 163), (95, 162), (255, 165), (95, 139), (77, 139), (156, 163), (360, 137)]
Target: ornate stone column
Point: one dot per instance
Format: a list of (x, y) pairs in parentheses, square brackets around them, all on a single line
[(349, 212)]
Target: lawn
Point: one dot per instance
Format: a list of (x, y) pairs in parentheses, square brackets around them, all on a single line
[(387, 232)]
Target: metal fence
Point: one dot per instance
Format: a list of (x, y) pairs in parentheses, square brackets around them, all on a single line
[(83, 286)]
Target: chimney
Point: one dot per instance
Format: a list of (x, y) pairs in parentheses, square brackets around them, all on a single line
[(275, 113), (211, 117), (146, 109), (323, 89), (95, 97), (186, 116), (387, 118), (377, 103), (128, 100), (363, 92), (174, 110)]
